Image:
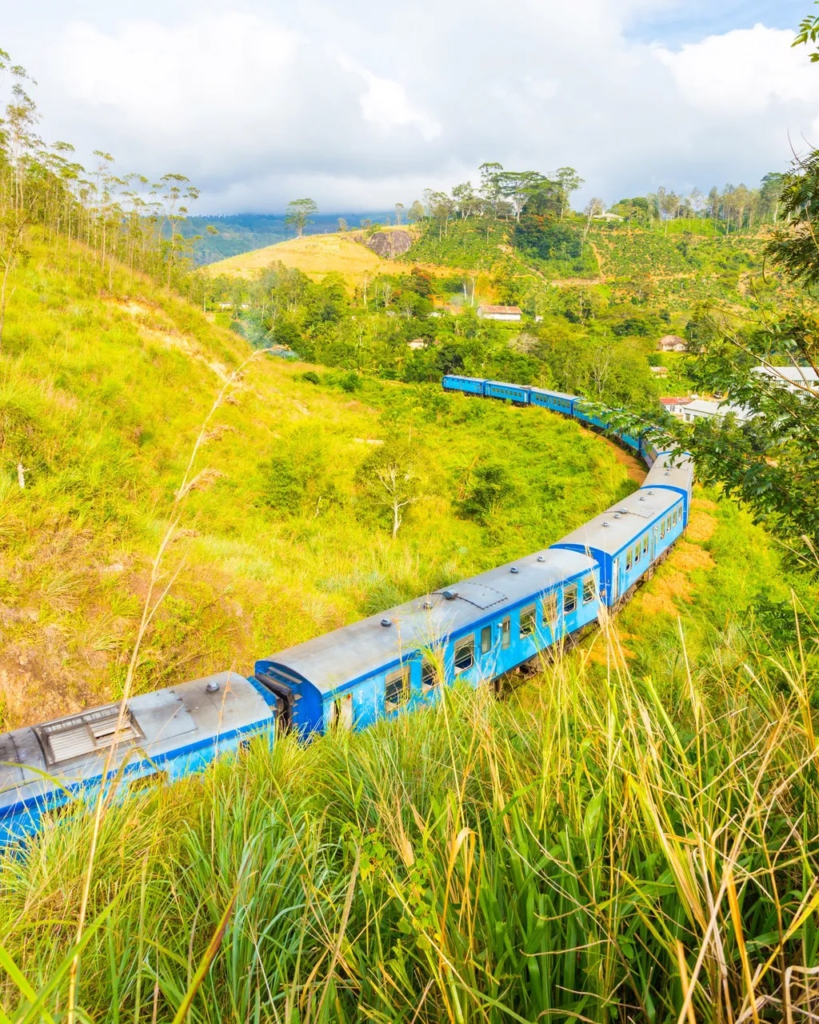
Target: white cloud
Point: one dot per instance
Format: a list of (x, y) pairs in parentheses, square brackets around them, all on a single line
[(364, 104), (385, 103), (743, 72)]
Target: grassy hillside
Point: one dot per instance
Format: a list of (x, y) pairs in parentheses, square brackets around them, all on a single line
[(245, 232), (582, 850), (103, 394), (314, 255)]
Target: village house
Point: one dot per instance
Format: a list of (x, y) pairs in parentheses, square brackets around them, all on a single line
[(672, 343), (500, 312), (675, 406)]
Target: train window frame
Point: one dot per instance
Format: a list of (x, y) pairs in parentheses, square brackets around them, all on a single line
[(402, 693), (662, 528), (506, 633), (645, 545), (589, 589), (569, 599), (429, 670), (486, 640), (527, 624), (466, 643), (549, 613), (629, 559)]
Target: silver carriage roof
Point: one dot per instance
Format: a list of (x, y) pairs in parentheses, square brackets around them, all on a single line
[(623, 521), (554, 394), (353, 652), (671, 471), (460, 376), (74, 748)]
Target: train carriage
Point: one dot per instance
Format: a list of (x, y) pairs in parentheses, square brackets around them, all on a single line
[(516, 393), (556, 401), (467, 385), (473, 631), (629, 538), (674, 473), (175, 731)]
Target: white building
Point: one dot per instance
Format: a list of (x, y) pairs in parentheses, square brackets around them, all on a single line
[(500, 312), (794, 378), (702, 408)]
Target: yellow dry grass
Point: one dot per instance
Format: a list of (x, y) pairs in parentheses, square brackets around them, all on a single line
[(315, 255)]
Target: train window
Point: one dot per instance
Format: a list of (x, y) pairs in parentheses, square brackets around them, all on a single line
[(550, 609), (486, 640), (588, 589), (528, 621), (429, 675), (396, 690), (464, 653), (506, 633), (570, 599), (662, 528), (628, 559), (645, 544)]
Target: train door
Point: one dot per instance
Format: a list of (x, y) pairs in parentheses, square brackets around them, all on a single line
[(341, 712), (615, 579), (655, 536)]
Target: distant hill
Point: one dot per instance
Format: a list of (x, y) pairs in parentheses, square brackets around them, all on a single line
[(243, 232), (315, 255)]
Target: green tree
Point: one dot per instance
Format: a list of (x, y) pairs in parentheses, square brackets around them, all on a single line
[(569, 181), (389, 482), (299, 213)]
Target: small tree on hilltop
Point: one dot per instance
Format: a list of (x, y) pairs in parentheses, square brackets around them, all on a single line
[(299, 213)]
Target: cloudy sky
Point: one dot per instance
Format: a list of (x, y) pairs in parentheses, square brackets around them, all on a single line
[(364, 103)]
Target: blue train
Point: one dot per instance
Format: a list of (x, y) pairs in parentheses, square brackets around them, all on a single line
[(475, 631)]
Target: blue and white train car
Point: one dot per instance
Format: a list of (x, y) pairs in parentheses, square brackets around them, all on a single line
[(516, 393), (557, 401), (629, 538), (582, 412), (473, 631), (175, 731), (673, 473), (468, 385)]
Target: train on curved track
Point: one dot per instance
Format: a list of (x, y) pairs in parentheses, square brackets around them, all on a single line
[(475, 631)]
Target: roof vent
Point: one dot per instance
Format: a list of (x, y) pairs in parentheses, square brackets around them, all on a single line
[(616, 515), (514, 569), (541, 558), (450, 595), (642, 497), (386, 622), (651, 492), (605, 524), (212, 687), (427, 605)]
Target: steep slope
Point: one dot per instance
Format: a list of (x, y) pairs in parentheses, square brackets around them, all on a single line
[(105, 384)]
